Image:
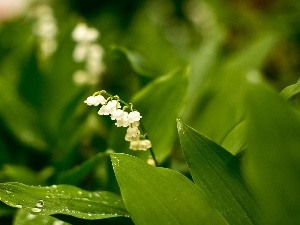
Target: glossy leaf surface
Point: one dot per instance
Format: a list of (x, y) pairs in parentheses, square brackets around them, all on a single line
[(160, 196)]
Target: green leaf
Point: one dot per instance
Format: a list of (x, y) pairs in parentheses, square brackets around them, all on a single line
[(216, 172), (77, 174), (222, 87), (273, 155), (62, 199), (21, 174), (159, 104), (160, 196), (235, 140), (291, 91), (25, 125), (137, 61), (25, 218)]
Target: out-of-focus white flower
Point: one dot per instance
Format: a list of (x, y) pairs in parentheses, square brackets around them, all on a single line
[(45, 29), (80, 77), (80, 52), (151, 161), (88, 52), (83, 33)]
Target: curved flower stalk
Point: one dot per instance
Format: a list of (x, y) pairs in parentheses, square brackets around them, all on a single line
[(89, 52), (125, 116)]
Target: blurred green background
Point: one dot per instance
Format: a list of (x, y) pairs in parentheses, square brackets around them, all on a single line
[(46, 130)]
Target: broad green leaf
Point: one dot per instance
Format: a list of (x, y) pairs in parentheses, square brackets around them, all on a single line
[(273, 155), (217, 173), (25, 218), (62, 199), (159, 104), (160, 196), (291, 91)]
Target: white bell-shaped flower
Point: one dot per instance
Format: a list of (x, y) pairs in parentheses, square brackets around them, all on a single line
[(134, 116), (117, 114), (95, 100), (99, 99), (144, 145), (123, 122), (133, 131), (134, 145), (113, 105), (131, 138), (104, 110)]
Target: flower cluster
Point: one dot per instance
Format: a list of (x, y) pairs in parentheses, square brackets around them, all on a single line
[(90, 53), (112, 106), (45, 29)]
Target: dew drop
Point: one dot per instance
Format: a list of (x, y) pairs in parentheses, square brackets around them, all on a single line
[(36, 209), (18, 206), (80, 192), (40, 204), (8, 192), (89, 214), (54, 186), (47, 196)]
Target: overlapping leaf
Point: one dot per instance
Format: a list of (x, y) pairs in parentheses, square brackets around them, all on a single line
[(216, 172), (273, 155)]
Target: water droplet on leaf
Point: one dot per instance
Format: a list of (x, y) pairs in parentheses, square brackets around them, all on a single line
[(40, 204), (36, 209)]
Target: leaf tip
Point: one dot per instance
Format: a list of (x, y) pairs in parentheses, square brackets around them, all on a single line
[(180, 125)]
